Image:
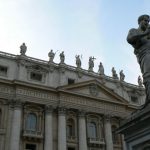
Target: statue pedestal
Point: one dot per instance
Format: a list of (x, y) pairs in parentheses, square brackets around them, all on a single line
[(136, 130)]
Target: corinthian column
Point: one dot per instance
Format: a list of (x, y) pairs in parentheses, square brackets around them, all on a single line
[(108, 133), (16, 126), (82, 132), (48, 145), (61, 129)]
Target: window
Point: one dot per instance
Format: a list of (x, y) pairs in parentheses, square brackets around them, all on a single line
[(3, 71), (30, 147), (31, 122), (71, 81), (36, 76), (134, 99), (70, 128), (92, 130)]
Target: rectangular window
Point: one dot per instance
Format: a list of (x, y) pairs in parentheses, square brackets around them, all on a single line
[(30, 146), (36, 76), (3, 71), (71, 81), (134, 99)]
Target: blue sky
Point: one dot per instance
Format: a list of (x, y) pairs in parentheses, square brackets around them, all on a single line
[(86, 27)]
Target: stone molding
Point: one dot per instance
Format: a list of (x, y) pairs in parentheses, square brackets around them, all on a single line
[(107, 118), (81, 113)]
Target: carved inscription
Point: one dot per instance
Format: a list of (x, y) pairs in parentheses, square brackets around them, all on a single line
[(37, 94), (5, 89)]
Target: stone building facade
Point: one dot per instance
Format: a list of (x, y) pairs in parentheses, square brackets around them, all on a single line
[(49, 106)]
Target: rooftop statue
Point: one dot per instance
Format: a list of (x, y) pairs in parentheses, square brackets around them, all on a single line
[(101, 69), (140, 83), (78, 61), (91, 63), (122, 76), (140, 39), (62, 57), (114, 74), (51, 55), (23, 49)]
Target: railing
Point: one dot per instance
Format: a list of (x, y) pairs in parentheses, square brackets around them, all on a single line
[(35, 134), (71, 138), (98, 141)]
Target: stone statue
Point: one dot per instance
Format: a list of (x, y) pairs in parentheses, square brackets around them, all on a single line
[(122, 76), (51, 55), (140, 39), (101, 69), (78, 61), (140, 83), (62, 57), (114, 74), (23, 49), (91, 63)]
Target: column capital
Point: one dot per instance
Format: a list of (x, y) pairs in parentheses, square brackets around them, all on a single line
[(48, 109), (81, 113), (61, 110), (107, 118), (15, 103)]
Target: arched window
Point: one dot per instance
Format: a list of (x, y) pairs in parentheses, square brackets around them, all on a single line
[(115, 137), (70, 127), (31, 122), (92, 131)]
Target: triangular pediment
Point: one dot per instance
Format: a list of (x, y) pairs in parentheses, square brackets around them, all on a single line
[(94, 89)]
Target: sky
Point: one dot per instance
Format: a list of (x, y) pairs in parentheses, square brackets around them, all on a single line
[(78, 27)]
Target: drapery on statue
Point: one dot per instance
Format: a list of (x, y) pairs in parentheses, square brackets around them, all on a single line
[(62, 57), (122, 76), (51, 55), (101, 69), (78, 61), (140, 39), (23, 49)]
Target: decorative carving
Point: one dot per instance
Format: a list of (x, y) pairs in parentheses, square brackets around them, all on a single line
[(93, 89), (79, 72)]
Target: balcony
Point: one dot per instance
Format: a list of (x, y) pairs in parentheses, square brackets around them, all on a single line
[(29, 134), (96, 142), (71, 139)]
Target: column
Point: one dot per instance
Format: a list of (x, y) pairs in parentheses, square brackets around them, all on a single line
[(123, 142), (82, 132), (9, 123), (108, 133), (16, 126), (48, 145), (61, 129)]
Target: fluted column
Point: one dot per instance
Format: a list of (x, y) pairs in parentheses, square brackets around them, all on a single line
[(48, 145), (16, 126), (108, 133), (61, 129), (82, 132)]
